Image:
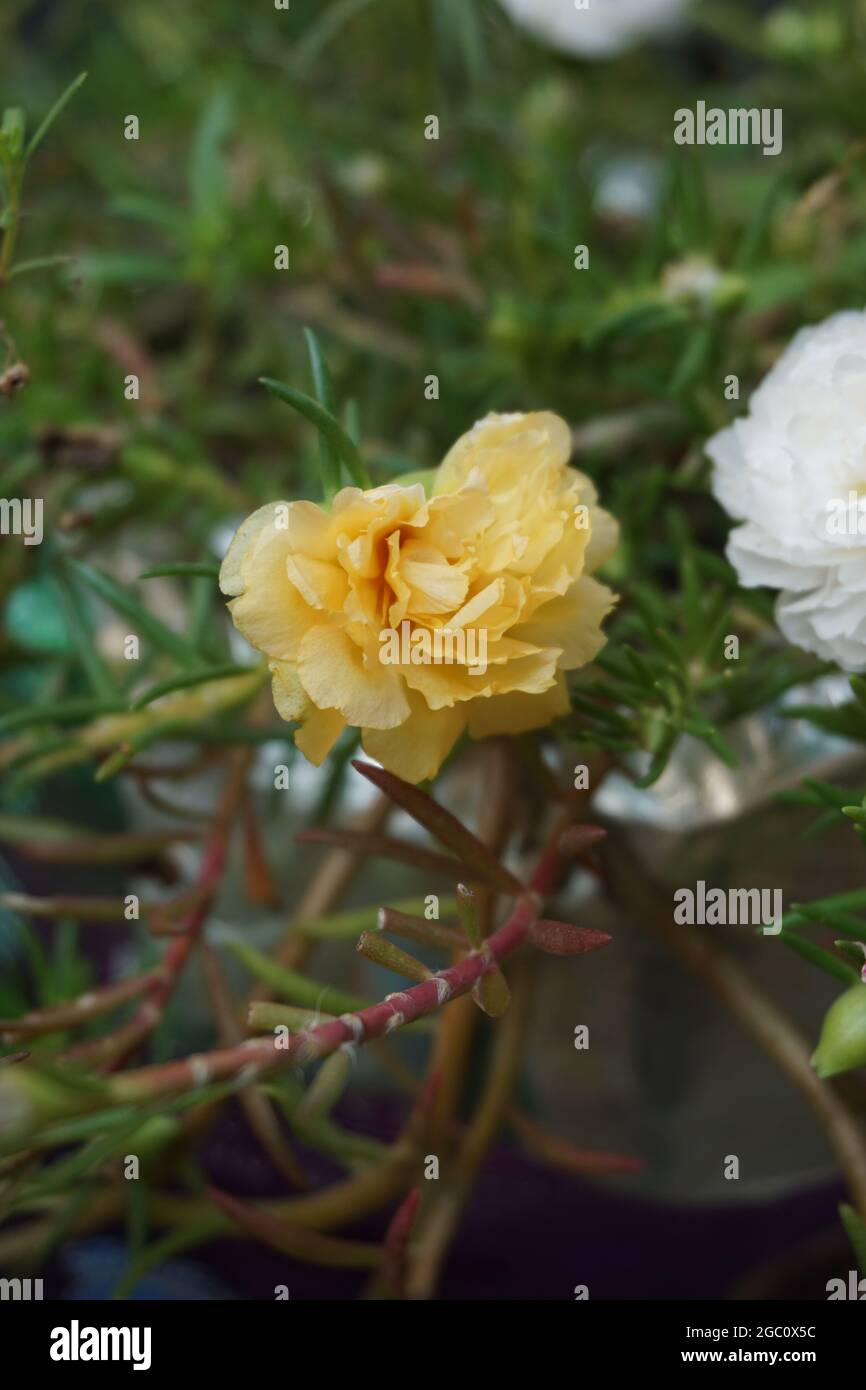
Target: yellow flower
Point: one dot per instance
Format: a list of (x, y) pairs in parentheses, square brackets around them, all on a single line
[(416, 618)]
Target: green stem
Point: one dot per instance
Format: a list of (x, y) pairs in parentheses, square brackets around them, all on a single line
[(14, 181)]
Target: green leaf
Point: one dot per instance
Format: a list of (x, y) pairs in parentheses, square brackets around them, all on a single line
[(128, 268), (83, 637), (12, 135), (62, 712), (150, 210), (42, 130), (834, 918), (347, 926), (183, 1238), (138, 742), (846, 721), (326, 424), (206, 569), (854, 950), (208, 177), (38, 263), (124, 602), (184, 681), (293, 986), (830, 964), (462, 34), (324, 388), (352, 420), (659, 760), (700, 728), (320, 32), (693, 360)]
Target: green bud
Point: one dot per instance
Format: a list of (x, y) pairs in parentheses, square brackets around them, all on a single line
[(842, 1045), (155, 1134), (492, 994), (12, 134), (30, 1099)]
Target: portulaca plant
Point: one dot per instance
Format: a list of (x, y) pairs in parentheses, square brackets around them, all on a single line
[(432, 519)]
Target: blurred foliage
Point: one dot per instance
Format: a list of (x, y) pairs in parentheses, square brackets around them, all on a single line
[(408, 257)]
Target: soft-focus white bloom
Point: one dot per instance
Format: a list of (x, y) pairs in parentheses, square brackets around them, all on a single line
[(627, 187), (794, 473), (694, 278), (605, 27)]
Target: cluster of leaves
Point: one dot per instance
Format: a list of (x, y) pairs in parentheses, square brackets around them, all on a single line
[(675, 666)]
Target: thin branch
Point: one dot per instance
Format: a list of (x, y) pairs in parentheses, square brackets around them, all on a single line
[(261, 1055)]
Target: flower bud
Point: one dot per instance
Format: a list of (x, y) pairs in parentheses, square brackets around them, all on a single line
[(31, 1099), (842, 1045), (12, 135)]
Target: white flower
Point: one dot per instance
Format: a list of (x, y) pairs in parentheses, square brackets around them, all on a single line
[(695, 278), (602, 28), (793, 472)]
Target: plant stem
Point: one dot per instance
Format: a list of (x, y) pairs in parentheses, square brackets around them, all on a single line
[(262, 1055), (116, 1047), (325, 889), (257, 1108), (430, 1252), (14, 180), (458, 1024)]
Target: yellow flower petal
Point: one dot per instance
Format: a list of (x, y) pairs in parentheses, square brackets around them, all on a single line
[(417, 748), (487, 580), (517, 713), (318, 734), (231, 580), (291, 700), (320, 728), (573, 620), (269, 611), (335, 675), (320, 584)]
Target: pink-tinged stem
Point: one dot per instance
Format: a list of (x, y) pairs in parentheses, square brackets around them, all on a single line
[(74, 1012), (396, 1244), (13, 1057), (259, 1054), (568, 1156), (114, 1049)]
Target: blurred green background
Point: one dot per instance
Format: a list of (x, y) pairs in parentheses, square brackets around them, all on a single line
[(305, 127), (410, 258)]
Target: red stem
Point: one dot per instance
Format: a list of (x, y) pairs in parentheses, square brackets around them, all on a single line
[(259, 1054)]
